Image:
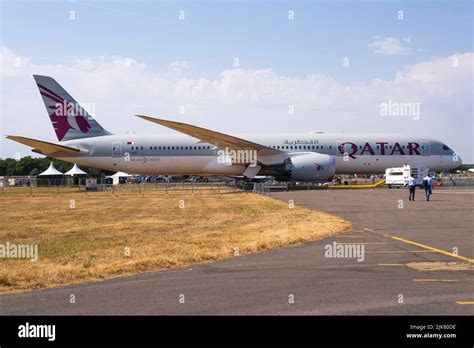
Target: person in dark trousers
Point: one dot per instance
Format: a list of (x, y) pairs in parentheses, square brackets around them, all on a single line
[(411, 188), (428, 185)]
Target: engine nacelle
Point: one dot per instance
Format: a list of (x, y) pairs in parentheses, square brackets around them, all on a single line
[(311, 167)]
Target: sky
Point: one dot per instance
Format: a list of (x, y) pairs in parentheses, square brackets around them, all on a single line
[(243, 66)]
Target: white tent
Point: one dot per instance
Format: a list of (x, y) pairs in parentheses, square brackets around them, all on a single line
[(75, 171), (51, 171), (121, 175), (116, 177)]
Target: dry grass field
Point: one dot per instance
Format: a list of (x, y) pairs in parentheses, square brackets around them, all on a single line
[(97, 236)]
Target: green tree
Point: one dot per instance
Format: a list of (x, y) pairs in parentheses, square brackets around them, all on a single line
[(34, 166)]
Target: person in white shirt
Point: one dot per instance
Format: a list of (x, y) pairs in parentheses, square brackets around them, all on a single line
[(428, 184), (411, 188)]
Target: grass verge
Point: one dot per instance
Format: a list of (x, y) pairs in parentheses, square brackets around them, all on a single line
[(95, 236)]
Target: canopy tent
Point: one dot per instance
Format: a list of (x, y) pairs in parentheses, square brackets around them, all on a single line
[(51, 171), (75, 170), (116, 177), (121, 175)]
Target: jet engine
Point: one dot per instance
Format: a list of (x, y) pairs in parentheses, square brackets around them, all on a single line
[(314, 167)]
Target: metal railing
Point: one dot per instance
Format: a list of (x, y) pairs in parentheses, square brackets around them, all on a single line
[(125, 189)]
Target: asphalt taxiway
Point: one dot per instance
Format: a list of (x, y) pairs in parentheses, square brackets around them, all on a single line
[(301, 279)]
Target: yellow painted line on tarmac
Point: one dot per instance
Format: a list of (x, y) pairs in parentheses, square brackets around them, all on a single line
[(440, 191), (434, 280), (391, 264), (359, 231), (398, 251), (351, 236), (465, 302), (433, 249), (369, 243)]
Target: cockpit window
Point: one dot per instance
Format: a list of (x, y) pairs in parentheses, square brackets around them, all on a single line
[(446, 148)]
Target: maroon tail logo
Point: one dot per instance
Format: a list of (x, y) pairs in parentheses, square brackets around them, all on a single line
[(65, 115)]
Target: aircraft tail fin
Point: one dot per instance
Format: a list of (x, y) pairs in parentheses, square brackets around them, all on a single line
[(70, 120)]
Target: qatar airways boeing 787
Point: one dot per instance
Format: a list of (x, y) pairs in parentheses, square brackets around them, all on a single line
[(312, 156)]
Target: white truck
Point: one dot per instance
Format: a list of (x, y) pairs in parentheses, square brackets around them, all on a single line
[(398, 177)]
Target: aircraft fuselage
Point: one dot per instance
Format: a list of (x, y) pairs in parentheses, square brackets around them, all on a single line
[(181, 154)]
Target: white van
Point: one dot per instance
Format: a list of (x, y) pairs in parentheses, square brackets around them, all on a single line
[(397, 177)]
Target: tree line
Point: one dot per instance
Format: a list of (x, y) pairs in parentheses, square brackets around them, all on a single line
[(33, 166)]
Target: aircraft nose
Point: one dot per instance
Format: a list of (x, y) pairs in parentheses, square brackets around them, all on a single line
[(457, 160)]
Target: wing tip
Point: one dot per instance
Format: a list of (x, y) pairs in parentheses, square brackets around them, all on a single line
[(9, 136), (152, 119), (147, 118)]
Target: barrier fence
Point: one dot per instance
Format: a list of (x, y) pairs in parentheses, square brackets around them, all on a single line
[(41, 187), (124, 189)]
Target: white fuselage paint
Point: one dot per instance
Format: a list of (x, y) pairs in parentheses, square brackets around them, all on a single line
[(184, 155)]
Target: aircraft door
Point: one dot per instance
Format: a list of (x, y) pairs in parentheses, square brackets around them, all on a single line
[(116, 149), (425, 148)]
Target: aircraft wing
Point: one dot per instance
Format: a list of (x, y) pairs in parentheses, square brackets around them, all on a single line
[(220, 140), (43, 147)]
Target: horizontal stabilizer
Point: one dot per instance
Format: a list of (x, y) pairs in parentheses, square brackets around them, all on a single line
[(43, 147)]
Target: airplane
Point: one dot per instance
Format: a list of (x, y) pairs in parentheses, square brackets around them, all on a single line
[(304, 157)]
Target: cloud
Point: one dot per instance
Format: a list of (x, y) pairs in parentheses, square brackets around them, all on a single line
[(180, 64), (243, 100), (177, 67), (391, 45)]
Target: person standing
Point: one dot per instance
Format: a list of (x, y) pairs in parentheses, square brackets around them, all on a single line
[(428, 184), (411, 188)]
